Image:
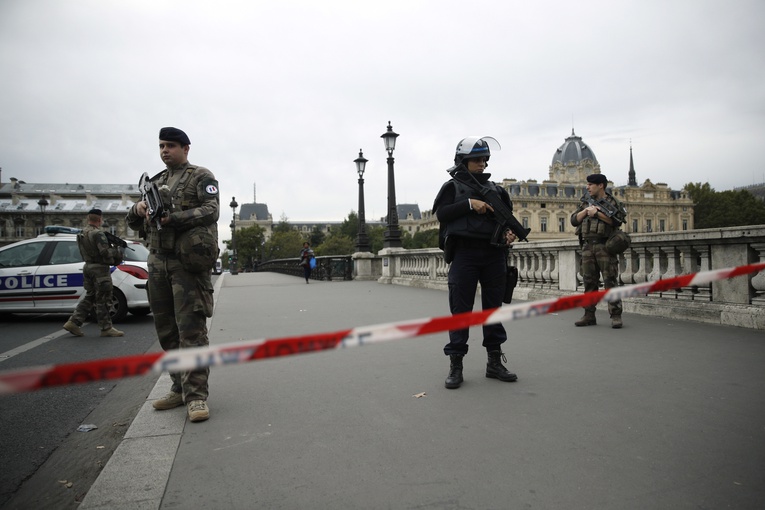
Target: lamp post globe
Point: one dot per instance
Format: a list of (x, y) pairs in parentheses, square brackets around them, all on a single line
[(392, 234), (362, 239)]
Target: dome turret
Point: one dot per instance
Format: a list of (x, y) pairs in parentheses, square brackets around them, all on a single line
[(573, 150)]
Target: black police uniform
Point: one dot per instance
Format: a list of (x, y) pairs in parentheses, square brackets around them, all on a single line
[(475, 259)]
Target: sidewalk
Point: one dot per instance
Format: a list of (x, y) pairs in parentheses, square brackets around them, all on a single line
[(660, 414)]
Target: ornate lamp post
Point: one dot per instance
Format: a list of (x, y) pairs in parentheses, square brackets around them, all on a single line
[(392, 235), (43, 204), (233, 206), (362, 240)]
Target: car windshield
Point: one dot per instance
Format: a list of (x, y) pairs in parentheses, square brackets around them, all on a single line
[(136, 252)]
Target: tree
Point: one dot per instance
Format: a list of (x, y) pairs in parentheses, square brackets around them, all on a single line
[(336, 244), (283, 245), (350, 226), (249, 245), (724, 209), (283, 225), (317, 236), (376, 236), (425, 239)]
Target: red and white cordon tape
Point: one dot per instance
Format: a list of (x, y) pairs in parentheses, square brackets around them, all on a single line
[(29, 379)]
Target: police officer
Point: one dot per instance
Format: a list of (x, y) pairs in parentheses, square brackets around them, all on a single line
[(594, 227), (98, 255), (467, 227), (182, 250)]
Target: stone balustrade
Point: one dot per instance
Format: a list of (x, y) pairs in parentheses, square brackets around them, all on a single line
[(551, 268)]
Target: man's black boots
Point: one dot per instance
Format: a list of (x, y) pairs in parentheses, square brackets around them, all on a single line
[(454, 379), (496, 370)]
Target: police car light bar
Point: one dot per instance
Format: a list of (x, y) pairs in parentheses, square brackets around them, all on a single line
[(52, 230)]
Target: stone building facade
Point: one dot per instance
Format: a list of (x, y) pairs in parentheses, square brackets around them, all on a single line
[(22, 216), (547, 206)]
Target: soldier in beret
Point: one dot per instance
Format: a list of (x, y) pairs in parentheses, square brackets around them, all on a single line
[(182, 251), (594, 226), (98, 255)]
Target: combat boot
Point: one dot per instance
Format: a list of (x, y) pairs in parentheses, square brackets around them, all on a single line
[(454, 379), (73, 328), (616, 322), (588, 319), (169, 401), (496, 370), (198, 410), (112, 332)]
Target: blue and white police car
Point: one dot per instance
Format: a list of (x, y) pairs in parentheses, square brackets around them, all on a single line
[(44, 275)]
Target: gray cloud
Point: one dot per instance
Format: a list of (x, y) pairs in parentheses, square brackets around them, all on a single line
[(283, 94)]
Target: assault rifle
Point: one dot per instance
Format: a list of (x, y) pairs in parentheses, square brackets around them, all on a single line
[(502, 214), (116, 241), (154, 204), (605, 207)]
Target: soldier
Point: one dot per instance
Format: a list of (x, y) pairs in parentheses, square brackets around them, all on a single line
[(594, 226), (182, 251), (98, 255)]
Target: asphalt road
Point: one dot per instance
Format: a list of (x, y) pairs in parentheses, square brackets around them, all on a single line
[(41, 449)]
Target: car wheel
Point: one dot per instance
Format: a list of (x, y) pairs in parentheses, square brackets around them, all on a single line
[(141, 312), (118, 308)]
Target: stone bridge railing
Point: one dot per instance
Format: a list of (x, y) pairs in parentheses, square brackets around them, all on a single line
[(551, 268)]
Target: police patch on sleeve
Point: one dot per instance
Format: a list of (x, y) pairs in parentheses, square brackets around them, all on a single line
[(211, 188)]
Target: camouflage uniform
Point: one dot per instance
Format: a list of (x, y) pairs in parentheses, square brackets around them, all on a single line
[(181, 300), (98, 255), (593, 234)]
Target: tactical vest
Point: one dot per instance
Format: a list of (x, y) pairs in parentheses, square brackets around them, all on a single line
[(478, 226), (174, 193), (595, 228), (87, 241)]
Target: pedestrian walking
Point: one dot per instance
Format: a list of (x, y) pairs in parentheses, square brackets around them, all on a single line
[(306, 255)]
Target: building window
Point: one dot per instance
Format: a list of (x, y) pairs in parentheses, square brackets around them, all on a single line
[(634, 225), (649, 225), (543, 224), (685, 224), (524, 205), (661, 225), (561, 224), (525, 221), (543, 205), (20, 231)]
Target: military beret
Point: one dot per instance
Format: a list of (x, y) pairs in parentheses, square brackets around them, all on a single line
[(597, 179), (97, 212), (171, 134)]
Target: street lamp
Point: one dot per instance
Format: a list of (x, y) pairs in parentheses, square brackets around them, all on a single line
[(392, 235), (362, 240), (233, 206), (43, 204)]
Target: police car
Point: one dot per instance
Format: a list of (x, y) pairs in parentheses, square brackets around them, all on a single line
[(44, 275)]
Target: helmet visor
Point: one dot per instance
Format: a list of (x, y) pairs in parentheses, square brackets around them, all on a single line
[(467, 145)]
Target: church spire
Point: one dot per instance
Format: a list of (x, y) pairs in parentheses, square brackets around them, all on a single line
[(632, 180)]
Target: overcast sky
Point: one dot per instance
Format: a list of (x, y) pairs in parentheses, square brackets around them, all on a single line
[(283, 94)]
